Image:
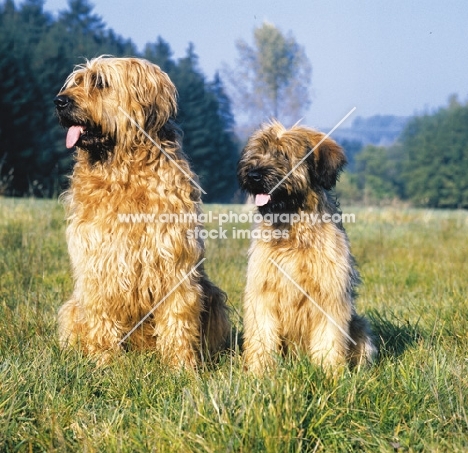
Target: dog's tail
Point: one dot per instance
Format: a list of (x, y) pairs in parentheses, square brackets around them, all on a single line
[(215, 323), (363, 350)]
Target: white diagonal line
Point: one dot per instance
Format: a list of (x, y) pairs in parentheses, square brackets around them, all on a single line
[(142, 320), (160, 148), (312, 150), (313, 301)]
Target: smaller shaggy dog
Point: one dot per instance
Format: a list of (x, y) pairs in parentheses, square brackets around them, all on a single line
[(137, 284), (301, 276)]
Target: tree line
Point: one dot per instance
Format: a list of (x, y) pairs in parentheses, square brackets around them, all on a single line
[(38, 51), (427, 166)]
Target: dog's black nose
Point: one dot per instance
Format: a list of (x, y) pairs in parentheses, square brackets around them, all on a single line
[(255, 175), (61, 102)]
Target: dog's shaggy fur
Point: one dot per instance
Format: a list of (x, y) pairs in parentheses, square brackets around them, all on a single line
[(300, 284), (119, 114)]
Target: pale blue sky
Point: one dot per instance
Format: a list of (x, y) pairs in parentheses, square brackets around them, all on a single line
[(397, 57)]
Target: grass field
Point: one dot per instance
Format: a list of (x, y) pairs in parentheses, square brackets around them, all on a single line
[(414, 265)]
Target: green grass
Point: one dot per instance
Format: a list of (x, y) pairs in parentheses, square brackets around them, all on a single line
[(414, 267)]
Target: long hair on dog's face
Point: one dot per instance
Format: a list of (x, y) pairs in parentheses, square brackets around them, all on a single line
[(101, 98), (280, 166)]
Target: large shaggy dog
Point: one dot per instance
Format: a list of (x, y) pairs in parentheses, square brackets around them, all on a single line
[(301, 277), (119, 114)]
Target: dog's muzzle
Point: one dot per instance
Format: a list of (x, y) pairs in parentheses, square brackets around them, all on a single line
[(254, 175), (62, 102)]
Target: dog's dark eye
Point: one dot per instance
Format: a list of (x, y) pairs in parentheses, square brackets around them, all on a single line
[(279, 154), (99, 82)]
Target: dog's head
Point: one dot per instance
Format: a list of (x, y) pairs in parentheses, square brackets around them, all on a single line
[(281, 166), (109, 102)]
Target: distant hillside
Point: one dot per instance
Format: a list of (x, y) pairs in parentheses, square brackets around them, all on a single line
[(380, 130)]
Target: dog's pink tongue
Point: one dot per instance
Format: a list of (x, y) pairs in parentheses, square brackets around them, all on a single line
[(262, 199), (73, 135)]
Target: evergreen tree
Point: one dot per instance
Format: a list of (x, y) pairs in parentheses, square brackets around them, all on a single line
[(20, 95), (207, 142), (224, 103), (37, 52), (79, 18), (88, 33), (226, 146), (161, 54)]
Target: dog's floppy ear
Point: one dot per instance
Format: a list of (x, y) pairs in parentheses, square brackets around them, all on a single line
[(326, 161), (155, 93)]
